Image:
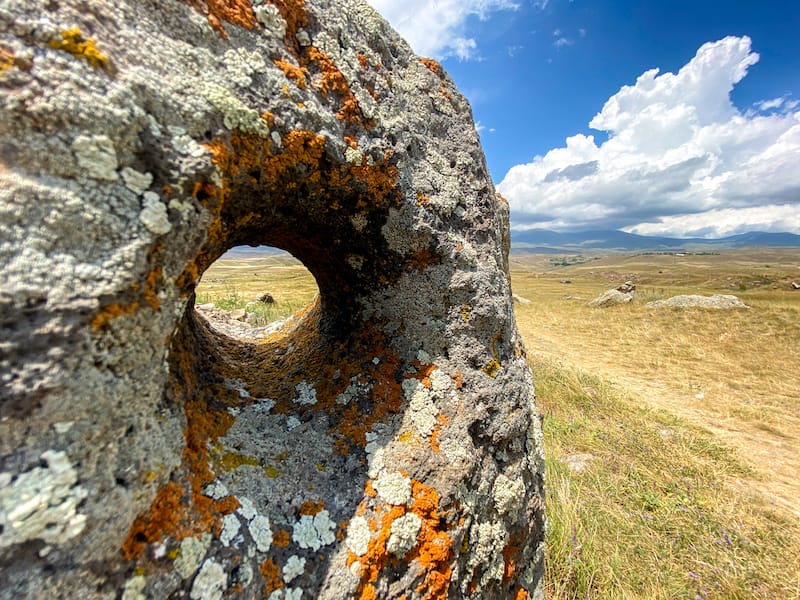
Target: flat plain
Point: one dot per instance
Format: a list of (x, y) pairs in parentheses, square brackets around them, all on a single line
[(672, 435)]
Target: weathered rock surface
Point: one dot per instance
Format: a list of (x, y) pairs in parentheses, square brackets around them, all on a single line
[(717, 301), (611, 298), (385, 442), (627, 287)]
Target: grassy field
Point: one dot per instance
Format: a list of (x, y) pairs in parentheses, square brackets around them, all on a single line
[(688, 420)]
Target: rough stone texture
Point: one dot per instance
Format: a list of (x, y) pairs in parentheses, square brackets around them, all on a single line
[(717, 301), (611, 298), (146, 454)]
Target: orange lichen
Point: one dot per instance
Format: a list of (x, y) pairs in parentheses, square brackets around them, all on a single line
[(311, 507), (236, 12), (295, 73), (7, 60), (432, 551), (294, 13), (351, 141), (421, 259), (510, 553), (112, 311), (143, 292), (363, 60), (73, 42), (521, 595), (458, 378), (281, 539), (180, 508), (163, 516), (333, 81), (433, 66), (272, 576)]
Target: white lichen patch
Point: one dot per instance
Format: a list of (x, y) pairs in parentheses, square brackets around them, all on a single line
[(241, 65), (393, 488), (154, 214), (305, 394), (421, 408), (261, 532), (293, 594), (134, 588), (192, 551), (230, 528), (403, 534), (235, 114), (441, 382), (41, 503), (292, 423), (135, 181), (246, 508), (487, 541), (96, 156), (508, 494), (358, 536), (349, 393), (184, 143), (455, 449), (216, 490), (210, 582), (270, 18), (314, 532), (294, 567)]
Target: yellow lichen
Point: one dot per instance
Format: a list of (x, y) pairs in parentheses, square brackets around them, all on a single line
[(492, 368), (73, 41)]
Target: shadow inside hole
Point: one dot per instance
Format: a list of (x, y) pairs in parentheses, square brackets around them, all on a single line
[(277, 427)]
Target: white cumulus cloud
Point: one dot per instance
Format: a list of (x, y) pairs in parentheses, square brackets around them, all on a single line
[(438, 28), (680, 159)]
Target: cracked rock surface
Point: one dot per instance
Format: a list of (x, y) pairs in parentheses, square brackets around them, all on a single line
[(383, 442)]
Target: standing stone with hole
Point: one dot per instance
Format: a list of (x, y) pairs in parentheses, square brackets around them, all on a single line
[(383, 443)]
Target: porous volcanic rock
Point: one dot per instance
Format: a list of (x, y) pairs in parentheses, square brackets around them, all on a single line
[(384, 442)]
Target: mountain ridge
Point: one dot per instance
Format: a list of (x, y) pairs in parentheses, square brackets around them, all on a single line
[(547, 241)]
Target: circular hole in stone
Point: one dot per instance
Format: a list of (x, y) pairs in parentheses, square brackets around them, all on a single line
[(254, 288)]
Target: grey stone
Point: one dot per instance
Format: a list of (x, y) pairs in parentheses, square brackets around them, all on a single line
[(716, 301), (140, 140), (611, 298)]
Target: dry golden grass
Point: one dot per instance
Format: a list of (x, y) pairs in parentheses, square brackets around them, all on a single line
[(733, 371), (232, 283)]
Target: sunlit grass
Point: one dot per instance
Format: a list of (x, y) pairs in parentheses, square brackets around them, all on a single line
[(654, 514), (238, 284)]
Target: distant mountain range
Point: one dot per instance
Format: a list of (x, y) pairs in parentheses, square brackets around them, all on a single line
[(546, 241)]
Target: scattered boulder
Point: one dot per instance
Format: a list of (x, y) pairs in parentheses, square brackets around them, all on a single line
[(266, 298), (566, 281), (611, 298), (795, 285), (519, 299), (578, 463), (144, 454), (627, 287), (717, 301)]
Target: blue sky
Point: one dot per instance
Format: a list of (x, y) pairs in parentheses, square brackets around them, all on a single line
[(580, 132)]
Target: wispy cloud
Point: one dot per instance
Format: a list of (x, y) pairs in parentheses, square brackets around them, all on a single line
[(680, 159), (437, 28)]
